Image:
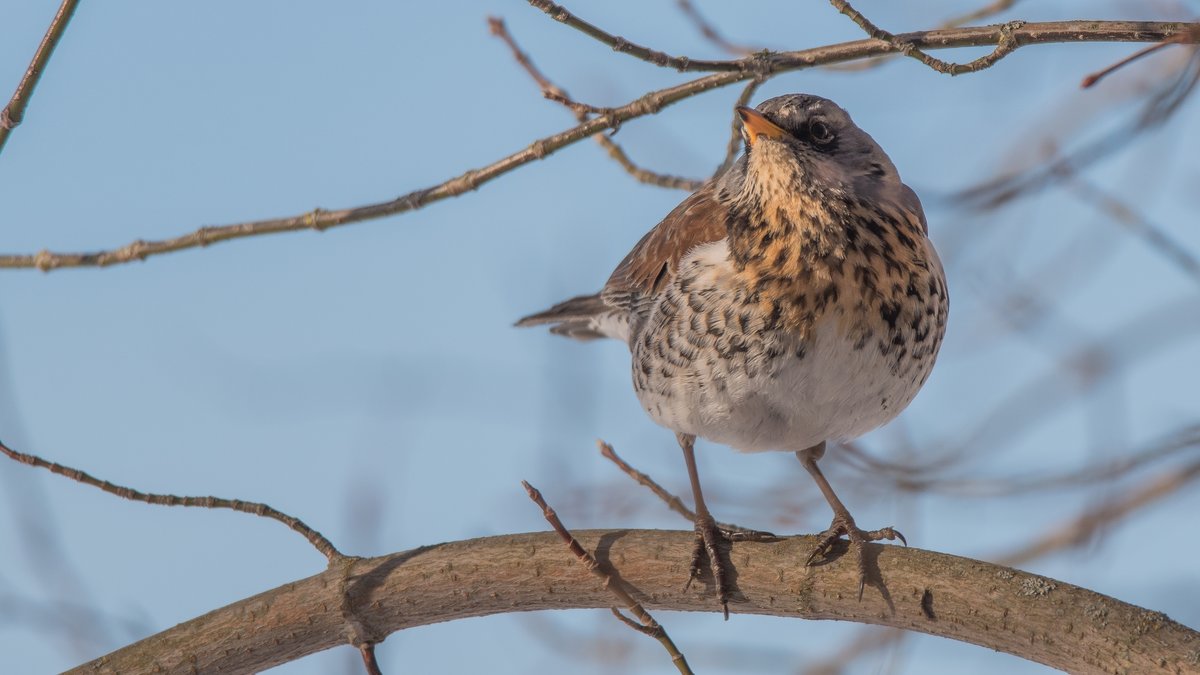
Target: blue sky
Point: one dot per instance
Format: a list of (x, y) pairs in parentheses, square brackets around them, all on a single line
[(361, 377)]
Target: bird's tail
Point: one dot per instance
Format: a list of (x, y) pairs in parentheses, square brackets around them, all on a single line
[(586, 317)]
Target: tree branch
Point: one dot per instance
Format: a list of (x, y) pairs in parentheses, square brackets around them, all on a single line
[(14, 112), (293, 523), (582, 111), (651, 103), (613, 582), (1033, 617)]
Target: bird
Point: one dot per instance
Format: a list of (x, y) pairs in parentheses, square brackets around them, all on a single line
[(792, 300)]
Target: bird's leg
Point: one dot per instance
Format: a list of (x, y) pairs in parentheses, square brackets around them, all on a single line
[(708, 535), (843, 522)]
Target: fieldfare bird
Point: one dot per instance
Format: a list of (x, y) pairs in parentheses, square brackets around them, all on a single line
[(792, 300)]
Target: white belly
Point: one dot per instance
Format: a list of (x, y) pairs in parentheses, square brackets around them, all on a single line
[(834, 392)]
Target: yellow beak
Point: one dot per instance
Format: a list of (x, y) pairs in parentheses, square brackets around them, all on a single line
[(754, 124)]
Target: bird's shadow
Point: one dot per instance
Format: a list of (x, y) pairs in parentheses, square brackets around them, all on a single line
[(871, 575)]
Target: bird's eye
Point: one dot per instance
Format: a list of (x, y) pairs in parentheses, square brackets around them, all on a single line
[(820, 133)]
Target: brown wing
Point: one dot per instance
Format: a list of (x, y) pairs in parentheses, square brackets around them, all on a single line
[(653, 262)]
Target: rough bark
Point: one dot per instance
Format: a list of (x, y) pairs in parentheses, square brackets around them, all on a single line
[(365, 599)]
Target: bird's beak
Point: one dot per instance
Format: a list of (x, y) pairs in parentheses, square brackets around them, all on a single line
[(754, 124)]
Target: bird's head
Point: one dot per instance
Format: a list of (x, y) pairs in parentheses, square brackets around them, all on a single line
[(801, 142)]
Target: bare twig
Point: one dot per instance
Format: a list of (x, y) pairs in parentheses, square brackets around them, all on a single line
[(916, 479), (499, 29), (620, 44), (1006, 45), (648, 104), (582, 110), (1139, 225), (996, 192), (369, 660), (612, 582), (674, 503), (1095, 77), (1092, 78), (710, 31), (315, 538), (1083, 527), (14, 112)]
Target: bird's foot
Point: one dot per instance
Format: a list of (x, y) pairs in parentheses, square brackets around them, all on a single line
[(843, 524), (709, 542)]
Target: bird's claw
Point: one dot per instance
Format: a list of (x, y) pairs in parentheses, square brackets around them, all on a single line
[(843, 524), (709, 539)]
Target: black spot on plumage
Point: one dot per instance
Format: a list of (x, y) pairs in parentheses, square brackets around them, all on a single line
[(776, 314), (889, 311), (828, 296), (781, 257), (865, 276), (873, 226), (851, 234)]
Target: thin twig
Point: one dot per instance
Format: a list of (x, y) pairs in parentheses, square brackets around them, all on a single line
[(369, 660), (1160, 106), (710, 31), (648, 104), (674, 503), (916, 479), (499, 29), (1084, 526), (1152, 234), (582, 110), (1095, 77), (14, 112), (620, 44), (315, 538), (612, 582), (1006, 45)]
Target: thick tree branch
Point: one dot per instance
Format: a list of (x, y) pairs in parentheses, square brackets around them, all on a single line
[(745, 69), (14, 112), (1033, 617)]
